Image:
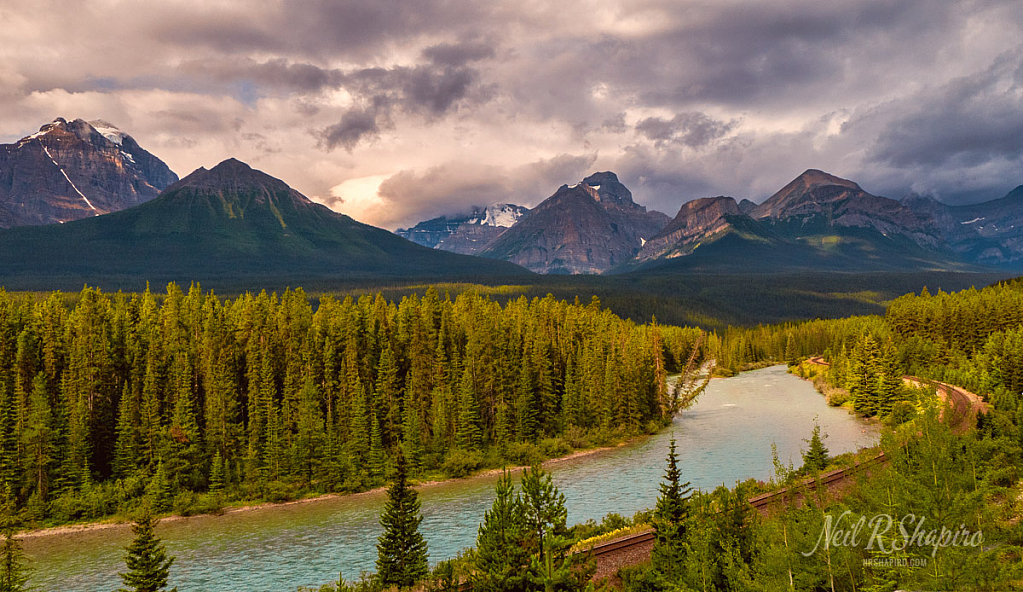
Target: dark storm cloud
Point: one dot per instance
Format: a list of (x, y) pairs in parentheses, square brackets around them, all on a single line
[(682, 99), (423, 90), (458, 54), (355, 125), (689, 129), (970, 121)]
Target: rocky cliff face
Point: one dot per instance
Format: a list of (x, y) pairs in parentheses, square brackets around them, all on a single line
[(72, 170), (588, 227), (468, 234), (697, 220)]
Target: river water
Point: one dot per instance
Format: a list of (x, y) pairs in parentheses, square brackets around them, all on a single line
[(725, 437)]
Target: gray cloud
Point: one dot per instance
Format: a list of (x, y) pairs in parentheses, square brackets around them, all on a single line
[(455, 101), (688, 129), (355, 125), (458, 54), (968, 122)]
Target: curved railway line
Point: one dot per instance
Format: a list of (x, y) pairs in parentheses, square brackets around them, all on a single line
[(635, 548)]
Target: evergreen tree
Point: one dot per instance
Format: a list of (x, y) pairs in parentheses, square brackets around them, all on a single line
[(468, 435), (126, 452), (401, 550), (376, 447), (863, 377), (160, 490), (500, 559), (38, 439), (670, 520), (146, 559), (547, 536), (816, 458), (217, 473), (412, 439), (308, 442)]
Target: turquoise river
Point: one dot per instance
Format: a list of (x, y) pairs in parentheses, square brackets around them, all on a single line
[(725, 437)]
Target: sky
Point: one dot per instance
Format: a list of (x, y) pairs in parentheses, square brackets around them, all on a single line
[(395, 112)]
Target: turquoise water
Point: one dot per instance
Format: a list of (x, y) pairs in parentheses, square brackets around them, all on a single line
[(725, 437)]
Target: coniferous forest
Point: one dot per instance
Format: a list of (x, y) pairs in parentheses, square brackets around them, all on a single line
[(190, 399)]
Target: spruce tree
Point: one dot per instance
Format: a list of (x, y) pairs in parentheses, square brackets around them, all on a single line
[(38, 438), (547, 536), (500, 558), (147, 560), (468, 435), (816, 458), (217, 473), (401, 550), (670, 520), (412, 443)]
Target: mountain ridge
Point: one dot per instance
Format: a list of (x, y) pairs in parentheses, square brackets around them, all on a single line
[(228, 221)]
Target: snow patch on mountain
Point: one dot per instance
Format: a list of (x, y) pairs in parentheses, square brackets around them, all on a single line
[(502, 215), (108, 130)]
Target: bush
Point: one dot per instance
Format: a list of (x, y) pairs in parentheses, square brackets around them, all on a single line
[(902, 412), (461, 463), (554, 447), (188, 503), (523, 454), (577, 438), (277, 492), (67, 507)]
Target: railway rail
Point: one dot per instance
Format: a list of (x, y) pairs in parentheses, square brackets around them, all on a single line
[(963, 406)]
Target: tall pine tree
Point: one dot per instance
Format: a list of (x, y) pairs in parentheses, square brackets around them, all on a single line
[(146, 559), (401, 549), (670, 519)]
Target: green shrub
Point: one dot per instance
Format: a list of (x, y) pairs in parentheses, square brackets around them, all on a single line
[(577, 437), (902, 412), (554, 447), (461, 463), (277, 492), (523, 454), (67, 507)]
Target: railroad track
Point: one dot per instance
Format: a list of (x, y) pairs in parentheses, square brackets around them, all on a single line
[(961, 419)]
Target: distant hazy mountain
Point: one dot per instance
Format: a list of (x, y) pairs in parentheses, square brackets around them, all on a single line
[(227, 222), (72, 170), (588, 227), (990, 233), (466, 234)]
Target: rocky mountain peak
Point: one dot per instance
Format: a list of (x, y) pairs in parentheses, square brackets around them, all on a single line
[(697, 220), (808, 193), (70, 170), (234, 177), (609, 189)]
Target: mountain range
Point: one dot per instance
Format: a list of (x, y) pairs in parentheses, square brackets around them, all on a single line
[(816, 222), (227, 222), (84, 200)]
